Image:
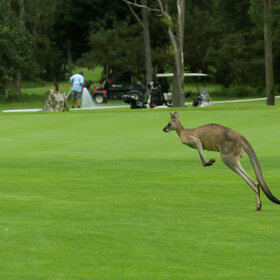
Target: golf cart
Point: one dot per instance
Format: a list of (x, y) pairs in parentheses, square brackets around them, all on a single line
[(116, 90), (110, 90), (201, 100)]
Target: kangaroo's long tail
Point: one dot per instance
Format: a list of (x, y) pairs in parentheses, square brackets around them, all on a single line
[(258, 171)]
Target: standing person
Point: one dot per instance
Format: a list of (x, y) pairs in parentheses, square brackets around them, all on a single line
[(78, 81)]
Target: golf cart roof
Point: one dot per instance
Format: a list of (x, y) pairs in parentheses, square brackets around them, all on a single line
[(166, 75)]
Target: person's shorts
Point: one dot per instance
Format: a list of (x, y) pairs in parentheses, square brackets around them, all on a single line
[(76, 95)]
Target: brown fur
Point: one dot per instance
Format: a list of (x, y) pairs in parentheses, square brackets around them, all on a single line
[(230, 144)]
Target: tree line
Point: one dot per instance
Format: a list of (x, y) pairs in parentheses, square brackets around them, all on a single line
[(42, 39)]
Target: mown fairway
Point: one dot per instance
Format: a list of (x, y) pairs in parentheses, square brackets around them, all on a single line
[(105, 194)]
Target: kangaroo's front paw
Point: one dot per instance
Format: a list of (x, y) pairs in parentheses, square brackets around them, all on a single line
[(210, 162)]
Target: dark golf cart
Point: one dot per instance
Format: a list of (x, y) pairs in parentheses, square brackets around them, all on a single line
[(110, 90), (156, 98)]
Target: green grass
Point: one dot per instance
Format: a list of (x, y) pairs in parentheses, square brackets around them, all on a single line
[(106, 194)]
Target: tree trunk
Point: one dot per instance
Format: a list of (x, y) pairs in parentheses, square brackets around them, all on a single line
[(18, 85), (56, 85), (55, 101), (178, 97), (269, 75), (22, 22), (175, 89), (6, 89), (147, 42), (21, 12), (180, 36)]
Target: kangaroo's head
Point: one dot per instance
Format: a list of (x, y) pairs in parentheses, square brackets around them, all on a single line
[(173, 124)]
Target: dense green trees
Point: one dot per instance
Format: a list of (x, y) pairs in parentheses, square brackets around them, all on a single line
[(222, 37), (120, 47), (16, 54), (229, 44)]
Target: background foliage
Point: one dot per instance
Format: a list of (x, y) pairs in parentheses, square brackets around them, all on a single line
[(222, 38)]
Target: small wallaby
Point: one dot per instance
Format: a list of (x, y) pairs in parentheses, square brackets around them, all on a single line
[(230, 144)]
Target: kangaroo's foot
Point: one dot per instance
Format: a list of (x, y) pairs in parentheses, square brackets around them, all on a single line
[(209, 162), (259, 207), (258, 199)]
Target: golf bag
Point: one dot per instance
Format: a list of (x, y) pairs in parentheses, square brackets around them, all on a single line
[(134, 104), (156, 96), (203, 98)]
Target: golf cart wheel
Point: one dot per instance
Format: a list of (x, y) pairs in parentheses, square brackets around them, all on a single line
[(135, 95), (99, 98)]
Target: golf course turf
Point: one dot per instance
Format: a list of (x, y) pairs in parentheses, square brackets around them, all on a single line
[(105, 194)]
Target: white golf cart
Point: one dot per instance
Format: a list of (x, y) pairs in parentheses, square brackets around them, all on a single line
[(201, 100)]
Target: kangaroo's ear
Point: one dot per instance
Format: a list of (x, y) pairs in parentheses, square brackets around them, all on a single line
[(174, 116)]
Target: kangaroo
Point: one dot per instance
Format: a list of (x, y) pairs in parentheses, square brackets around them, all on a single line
[(230, 144)]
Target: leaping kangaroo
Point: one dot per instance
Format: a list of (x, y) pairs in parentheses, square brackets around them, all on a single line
[(230, 144)]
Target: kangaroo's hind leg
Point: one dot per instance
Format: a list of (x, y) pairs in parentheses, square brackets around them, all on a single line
[(234, 164), (251, 183)]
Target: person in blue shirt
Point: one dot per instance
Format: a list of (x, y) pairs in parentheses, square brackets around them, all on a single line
[(78, 81)]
